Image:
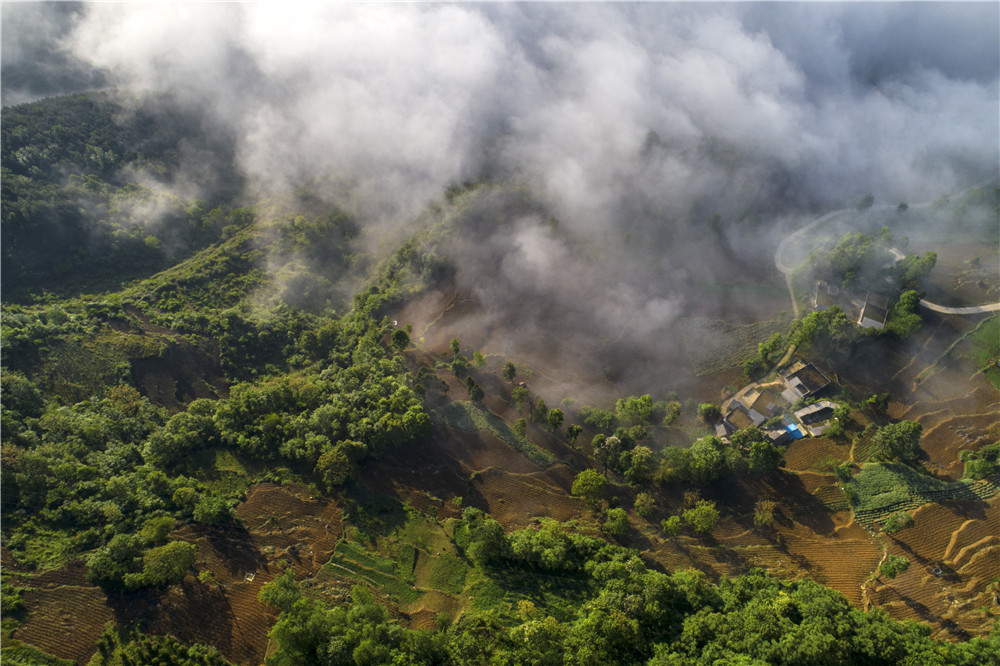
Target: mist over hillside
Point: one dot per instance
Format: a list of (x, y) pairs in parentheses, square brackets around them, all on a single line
[(662, 146), (597, 333)]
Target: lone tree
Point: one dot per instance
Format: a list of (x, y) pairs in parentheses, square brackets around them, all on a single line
[(455, 346), (703, 516), (672, 525), (476, 393), (634, 410), (573, 432), (509, 371), (708, 412), (897, 521), (893, 566), (520, 395), (616, 523), (763, 513), (589, 486), (897, 441), (486, 541), (644, 504), (541, 411), (607, 450), (555, 419)]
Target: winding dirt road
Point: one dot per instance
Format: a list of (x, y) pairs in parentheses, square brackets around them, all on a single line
[(787, 270)]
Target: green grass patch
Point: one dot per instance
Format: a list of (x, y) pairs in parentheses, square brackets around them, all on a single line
[(369, 516), (229, 474), (448, 573), (984, 349), (557, 595), (405, 559), (980, 346), (377, 571), (44, 547), (227, 463), (350, 552), (465, 415), (22, 654), (221, 472), (883, 488), (398, 590), (422, 533)]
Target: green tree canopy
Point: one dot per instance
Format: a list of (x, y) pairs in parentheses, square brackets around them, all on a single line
[(589, 486), (703, 516), (897, 442), (893, 566)]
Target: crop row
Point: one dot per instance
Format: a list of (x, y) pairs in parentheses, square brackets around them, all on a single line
[(470, 416), (978, 490), (714, 345)]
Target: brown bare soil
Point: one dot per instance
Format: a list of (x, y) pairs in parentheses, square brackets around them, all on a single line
[(960, 539), (182, 373), (65, 621), (481, 450), (282, 525), (842, 561), (288, 524), (514, 499), (816, 454)]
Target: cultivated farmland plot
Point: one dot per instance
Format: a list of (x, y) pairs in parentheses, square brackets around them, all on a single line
[(713, 345)]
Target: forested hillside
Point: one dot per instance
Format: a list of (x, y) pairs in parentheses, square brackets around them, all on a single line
[(222, 442), (96, 191)]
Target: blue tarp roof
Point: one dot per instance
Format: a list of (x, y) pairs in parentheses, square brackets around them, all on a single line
[(794, 431)]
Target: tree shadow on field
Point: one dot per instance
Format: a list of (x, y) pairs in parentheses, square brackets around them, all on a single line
[(637, 539), (968, 509), (373, 514), (946, 573), (926, 614), (801, 505), (235, 543)]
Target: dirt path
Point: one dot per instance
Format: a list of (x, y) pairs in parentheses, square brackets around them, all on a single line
[(975, 309)]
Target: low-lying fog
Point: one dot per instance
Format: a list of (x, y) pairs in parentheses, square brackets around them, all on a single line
[(666, 147)]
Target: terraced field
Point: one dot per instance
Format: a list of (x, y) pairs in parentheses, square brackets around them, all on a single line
[(883, 489), (841, 562), (66, 613), (961, 540), (470, 417), (818, 454), (283, 526), (514, 499), (713, 345)]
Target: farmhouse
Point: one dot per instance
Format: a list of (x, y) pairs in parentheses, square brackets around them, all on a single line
[(825, 295), (815, 418), (724, 428), (779, 435), (803, 382), (739, 417), (754, 408), (874, 312)]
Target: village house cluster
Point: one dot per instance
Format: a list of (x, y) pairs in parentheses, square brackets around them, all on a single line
[(871, 309), (769, 406)]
